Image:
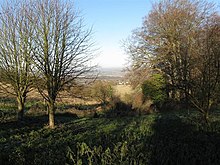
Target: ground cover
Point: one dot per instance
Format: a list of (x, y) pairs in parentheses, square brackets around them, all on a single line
[(160, 138)]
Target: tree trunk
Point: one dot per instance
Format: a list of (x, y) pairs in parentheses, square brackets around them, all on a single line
[(51, 112), (206, 117), (20, 111)]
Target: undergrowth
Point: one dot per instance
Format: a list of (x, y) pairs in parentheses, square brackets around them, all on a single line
[(163, 138)]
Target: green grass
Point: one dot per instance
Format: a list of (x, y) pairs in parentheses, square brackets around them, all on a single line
[(163, 138)]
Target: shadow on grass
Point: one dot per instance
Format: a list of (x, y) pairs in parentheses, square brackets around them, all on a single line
[(78, 107), (29, 142), (37, 121), (164, 138), (177, 141)]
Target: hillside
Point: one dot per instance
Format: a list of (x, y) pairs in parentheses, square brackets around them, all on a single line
[(163, 138)]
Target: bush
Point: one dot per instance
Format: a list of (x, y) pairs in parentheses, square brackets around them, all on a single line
[(138, 104), (117, 107), (154, 89), (102, 91)]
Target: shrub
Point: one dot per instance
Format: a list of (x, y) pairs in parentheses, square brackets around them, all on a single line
[(117, 107), (102, 91), (154, 89), (136, 100)]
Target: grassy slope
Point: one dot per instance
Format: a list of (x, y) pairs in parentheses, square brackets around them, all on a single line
[(167, 138)]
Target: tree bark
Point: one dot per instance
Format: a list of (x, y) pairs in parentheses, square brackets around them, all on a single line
[(20, 111), (206, 117), (51, 111)]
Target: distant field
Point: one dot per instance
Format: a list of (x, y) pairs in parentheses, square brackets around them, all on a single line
[(65, 103), (121, 90)]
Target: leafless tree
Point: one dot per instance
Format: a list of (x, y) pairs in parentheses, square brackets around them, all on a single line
[(16, 53), (63, 53), (177, 39), (206, 71)]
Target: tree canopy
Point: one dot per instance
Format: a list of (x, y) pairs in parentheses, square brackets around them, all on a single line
[(180, 40)]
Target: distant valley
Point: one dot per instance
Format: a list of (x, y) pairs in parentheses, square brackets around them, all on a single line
[(111, 73)]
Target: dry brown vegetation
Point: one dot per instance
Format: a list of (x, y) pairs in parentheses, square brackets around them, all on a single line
[(122, 90)]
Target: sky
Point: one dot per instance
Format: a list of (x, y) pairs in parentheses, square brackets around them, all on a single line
[(112, 22)]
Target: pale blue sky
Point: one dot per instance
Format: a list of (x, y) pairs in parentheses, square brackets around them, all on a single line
[(112, 21)]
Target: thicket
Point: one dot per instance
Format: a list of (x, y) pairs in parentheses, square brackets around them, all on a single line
[(179, 39)]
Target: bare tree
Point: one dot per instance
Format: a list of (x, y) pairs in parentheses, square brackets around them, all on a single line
[(177, 39), (16, 53), (206, 71), (63, 53)]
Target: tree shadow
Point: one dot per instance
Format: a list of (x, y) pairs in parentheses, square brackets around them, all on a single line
[(170, 138), (178, 141), (30, 140), (35, 122), (78, 107)]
